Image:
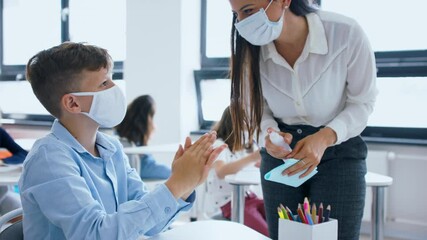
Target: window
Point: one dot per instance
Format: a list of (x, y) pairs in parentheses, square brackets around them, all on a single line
[(104, 27), (211, 103), (29, 26), (28, 110), (400, 51)]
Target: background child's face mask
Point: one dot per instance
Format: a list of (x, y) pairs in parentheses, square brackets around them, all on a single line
[(108, 107)]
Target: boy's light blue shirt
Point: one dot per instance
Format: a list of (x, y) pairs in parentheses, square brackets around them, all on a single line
[(67, 193)]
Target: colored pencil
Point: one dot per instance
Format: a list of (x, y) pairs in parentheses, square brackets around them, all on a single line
[(285, 214), (314, 213), (306, 205), (308, 217), (301, 214), (279, 211), (291, 215), (327, 213), (320, 213)]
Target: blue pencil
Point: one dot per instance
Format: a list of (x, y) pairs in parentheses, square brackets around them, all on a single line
[(309, 220), (290, 213)]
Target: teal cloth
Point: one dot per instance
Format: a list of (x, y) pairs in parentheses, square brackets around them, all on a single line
[(275, 175)]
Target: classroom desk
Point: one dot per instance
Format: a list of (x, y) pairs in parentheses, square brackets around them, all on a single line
[(378, 183), (26, 143), (210, 230), (10, 178), (245, 177), (161, 148)]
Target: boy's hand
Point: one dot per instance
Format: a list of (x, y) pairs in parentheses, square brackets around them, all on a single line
[(191, 165)]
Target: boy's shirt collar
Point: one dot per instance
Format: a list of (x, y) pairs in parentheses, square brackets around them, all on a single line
[(60, 132)]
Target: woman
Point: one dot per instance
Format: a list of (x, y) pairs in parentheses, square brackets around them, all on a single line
[(136, 129), (309, 75)]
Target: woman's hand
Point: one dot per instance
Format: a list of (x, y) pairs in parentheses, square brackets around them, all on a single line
[(274, 150), (309, 151)]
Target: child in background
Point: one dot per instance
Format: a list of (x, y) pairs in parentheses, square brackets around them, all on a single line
[(76, 181), (135, 130), (231, 161), (10, 153)]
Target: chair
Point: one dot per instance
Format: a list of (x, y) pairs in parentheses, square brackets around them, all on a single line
[(210, 209), (14, 230)]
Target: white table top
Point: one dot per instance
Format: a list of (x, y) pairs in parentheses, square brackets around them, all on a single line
[(10, 177), (377, 180), (26, 143), (161, 148), (247, 176), (252, 177), (211, 230)]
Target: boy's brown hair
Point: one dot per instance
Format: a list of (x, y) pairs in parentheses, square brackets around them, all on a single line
[(56, 71)]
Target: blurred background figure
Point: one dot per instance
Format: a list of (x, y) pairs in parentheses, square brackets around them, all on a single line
[(10, 153), (136, 130), (231, 161)]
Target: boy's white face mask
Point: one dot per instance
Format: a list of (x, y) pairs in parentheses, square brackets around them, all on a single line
[(258, 29), (108, 106)]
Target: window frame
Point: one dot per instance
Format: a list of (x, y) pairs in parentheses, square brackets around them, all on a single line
[(411, 63), (17, 72)]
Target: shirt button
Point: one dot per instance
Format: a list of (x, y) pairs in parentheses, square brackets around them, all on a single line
[(297, 103), (141, 232), (167, 210), (299, 131)]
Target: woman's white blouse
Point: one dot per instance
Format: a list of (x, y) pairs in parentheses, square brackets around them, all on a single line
[(333, 82)]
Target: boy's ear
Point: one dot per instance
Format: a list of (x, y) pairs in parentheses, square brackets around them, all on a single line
[(286, 3), (70, 103)]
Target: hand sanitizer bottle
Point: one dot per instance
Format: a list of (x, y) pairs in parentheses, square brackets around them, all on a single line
[(278, 140)]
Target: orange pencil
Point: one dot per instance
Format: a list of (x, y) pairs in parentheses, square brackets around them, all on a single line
[(301, 214)]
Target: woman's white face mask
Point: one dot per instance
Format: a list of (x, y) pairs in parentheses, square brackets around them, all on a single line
[(258, 29)]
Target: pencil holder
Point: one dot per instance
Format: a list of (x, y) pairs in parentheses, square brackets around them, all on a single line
[(301, 231)]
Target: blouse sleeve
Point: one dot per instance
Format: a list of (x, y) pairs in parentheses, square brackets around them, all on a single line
[(361, 90)]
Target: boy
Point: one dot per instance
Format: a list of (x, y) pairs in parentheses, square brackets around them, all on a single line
[(77, 182)]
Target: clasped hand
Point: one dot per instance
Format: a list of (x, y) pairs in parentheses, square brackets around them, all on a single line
[(191, 164)]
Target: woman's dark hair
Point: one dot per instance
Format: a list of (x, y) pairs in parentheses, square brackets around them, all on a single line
[(135, 125), (246, 100)]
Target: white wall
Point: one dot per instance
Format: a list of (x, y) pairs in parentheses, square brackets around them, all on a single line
[(407, 165), (163, 43)]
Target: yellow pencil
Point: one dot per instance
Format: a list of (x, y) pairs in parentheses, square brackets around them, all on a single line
[(314, 213), (285, 214), (279, 211)]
